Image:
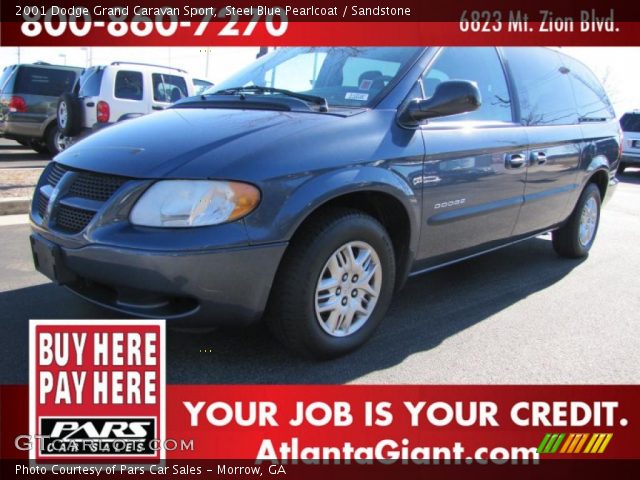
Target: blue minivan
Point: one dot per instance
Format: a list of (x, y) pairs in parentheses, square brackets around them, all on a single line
[(307, 187)]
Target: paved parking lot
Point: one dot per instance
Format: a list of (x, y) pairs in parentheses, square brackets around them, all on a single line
[(14, 155), (520, 315)]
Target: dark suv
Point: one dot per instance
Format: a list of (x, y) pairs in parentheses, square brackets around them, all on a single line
[(29, 96), (311, 184)]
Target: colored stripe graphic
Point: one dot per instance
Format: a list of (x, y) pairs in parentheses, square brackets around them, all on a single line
[(581, 443), (543, 443), (603, 447), (556, 445), (570, 440), (573, 443)]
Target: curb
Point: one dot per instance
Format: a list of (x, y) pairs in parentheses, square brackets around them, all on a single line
[(14, 206)]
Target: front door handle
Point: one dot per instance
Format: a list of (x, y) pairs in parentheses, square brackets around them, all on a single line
[(156, 107), (515, 160)]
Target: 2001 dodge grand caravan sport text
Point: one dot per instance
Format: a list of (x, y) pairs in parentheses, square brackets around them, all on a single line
[(312, 183)]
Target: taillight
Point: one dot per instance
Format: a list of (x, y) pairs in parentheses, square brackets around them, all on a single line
[(17, 104), (102, 110)]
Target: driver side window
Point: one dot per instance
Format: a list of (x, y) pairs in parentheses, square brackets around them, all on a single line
[(481, 65)]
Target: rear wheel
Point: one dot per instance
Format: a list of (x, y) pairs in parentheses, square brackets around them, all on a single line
[(334, 285), (40, 147), (575, 238), (56, 140)]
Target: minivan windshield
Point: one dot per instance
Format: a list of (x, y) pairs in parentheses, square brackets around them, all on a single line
[(344, 76)]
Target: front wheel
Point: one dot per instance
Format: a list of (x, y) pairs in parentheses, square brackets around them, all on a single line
[(334, 285), (575, 238)]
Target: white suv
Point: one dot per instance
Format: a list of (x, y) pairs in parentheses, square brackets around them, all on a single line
[(106, 94)]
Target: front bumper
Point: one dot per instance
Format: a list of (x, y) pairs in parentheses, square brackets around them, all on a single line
[(222, 286)]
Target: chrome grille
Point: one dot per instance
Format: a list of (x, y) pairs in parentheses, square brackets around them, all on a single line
[(71, 217)]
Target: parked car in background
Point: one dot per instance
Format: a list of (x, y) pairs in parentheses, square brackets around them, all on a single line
[(29, 95), (201, 85), (311, 184), (108, 94), (630, 124)]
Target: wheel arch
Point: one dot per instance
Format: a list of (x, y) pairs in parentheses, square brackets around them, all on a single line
[(384, 196), (601, 179), (47, 125), (598, 173)]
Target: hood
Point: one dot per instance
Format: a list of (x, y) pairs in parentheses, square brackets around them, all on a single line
[(188, 142)]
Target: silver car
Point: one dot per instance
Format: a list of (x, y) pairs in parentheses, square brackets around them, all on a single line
[(630, 123)]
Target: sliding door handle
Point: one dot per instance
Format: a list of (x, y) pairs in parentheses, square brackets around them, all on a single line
[(514, 160)]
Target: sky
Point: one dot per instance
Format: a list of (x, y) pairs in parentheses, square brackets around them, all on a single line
[(617, 67)]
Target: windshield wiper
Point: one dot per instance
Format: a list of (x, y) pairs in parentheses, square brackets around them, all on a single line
[(321, 102), (592, 119)]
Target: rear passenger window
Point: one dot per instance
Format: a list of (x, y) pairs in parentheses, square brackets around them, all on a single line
[(128, 85), (591, 99), (544, 86), (43, 81), (478, 64), (168, 88), (90, 82)]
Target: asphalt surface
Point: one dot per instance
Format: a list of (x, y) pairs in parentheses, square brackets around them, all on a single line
[(519, 315), (14, 155)]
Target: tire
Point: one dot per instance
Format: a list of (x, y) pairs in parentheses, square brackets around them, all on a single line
[(575, 238), (56, 140), (621, 168), (295, 314), (39, 147), (69, 114)]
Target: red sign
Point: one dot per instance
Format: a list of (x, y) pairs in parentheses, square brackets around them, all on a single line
[(97, 390)]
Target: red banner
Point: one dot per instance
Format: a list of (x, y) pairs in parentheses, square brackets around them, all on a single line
[(325, 34), (393, 424)]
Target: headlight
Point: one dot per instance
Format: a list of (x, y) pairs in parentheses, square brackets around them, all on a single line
[(194, 203)]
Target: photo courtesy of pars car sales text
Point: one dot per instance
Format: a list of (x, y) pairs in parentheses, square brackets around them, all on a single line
[(313, 240)]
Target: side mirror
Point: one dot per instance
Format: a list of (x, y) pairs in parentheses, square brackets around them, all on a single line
[(450, 98)]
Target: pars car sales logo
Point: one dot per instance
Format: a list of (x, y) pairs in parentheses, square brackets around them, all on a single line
[(97, 389)]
